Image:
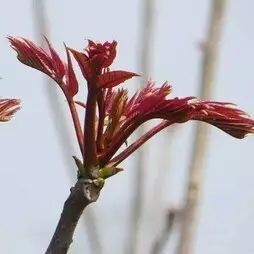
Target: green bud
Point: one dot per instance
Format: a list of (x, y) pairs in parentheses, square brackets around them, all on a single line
[(109, 171)]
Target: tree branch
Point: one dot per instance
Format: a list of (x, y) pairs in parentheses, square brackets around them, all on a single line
[(85, 192)]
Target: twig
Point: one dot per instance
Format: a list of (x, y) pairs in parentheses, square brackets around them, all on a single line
[(62, 131), (138, 185), (195, 177)]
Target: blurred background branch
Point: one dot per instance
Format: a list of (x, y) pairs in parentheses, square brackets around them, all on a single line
[(59, 119), (210, 50), (146, 45), (164, 235)]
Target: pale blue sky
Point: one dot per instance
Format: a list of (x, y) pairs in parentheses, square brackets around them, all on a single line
[(33, 178)]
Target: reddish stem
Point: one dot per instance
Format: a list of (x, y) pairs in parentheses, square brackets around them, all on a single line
[(120, 137), (124, 132), (90, 150), (139, 142), (77, 125), (101, 109)]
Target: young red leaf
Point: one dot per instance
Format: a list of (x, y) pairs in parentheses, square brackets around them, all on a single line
[(7, 108), (83, 62), (113, 78), (102, 55), (71, 81), (56, 61), (148, 99), (111, 53), (36, 57), (225, 116), (31, 55)]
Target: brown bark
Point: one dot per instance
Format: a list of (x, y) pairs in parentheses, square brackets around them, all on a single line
[(84, 192)]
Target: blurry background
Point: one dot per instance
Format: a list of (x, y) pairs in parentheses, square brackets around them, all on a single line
[(36, 147)]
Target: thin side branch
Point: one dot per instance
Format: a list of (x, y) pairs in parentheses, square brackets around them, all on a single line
[(139, 142), (77, 126)]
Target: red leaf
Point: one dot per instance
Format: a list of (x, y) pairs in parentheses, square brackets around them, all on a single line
[(111, 53), (31, 55), (71, 81), (8, 108), (56, 61), (114, 78), (83, 62), (105, 53)]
